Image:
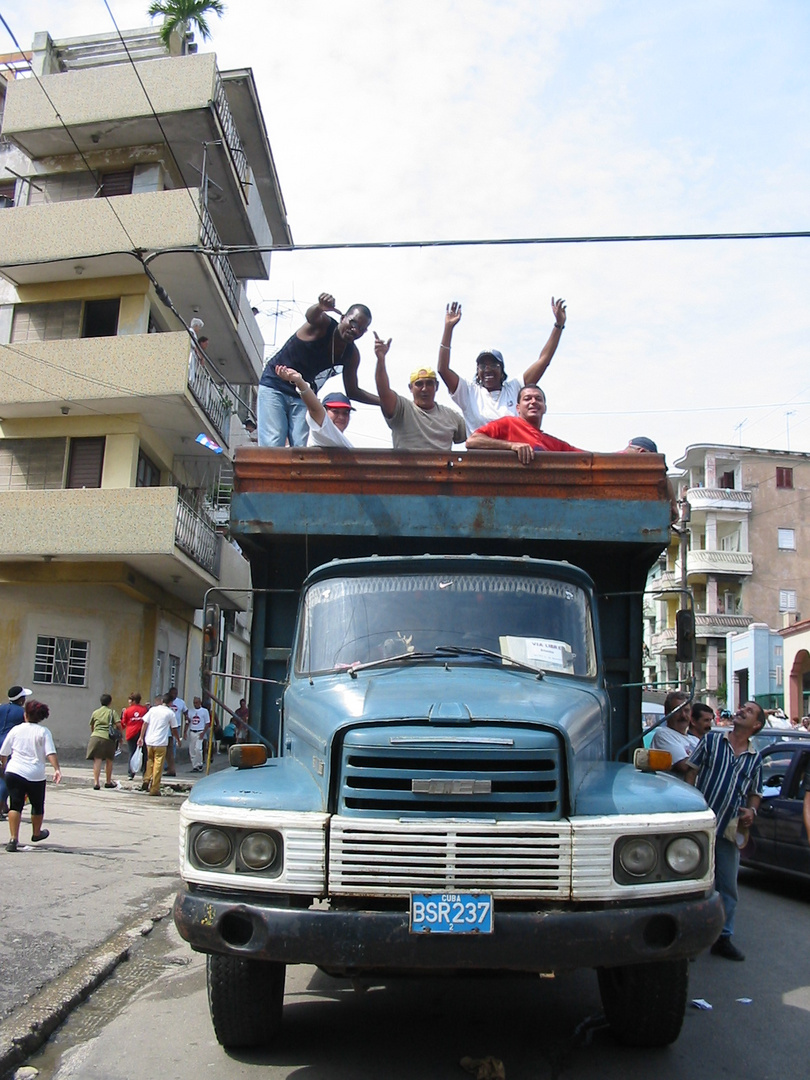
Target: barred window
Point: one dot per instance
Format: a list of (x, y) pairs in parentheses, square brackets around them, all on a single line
[(237, 671), (61, 661)]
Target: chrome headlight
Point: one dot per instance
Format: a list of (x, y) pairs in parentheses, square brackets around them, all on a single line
[(638, 857), (258, 850), (212, 847), (683, 855)]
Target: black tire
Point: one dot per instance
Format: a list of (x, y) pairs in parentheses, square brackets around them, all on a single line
[(645, 1003), (246, 1000)]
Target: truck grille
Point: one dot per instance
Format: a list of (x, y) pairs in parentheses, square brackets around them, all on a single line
[(485, 772), (396, 858)]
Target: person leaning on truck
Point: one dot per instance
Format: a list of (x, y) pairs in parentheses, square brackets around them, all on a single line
[(419, 424), (327, 420), (520, 433), (673, 735), (491, 394), (319, 349), (727, 769)]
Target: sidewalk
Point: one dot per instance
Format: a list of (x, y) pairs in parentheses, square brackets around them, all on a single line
[(72, 903)]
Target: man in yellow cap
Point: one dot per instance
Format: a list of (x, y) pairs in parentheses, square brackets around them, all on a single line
[(419, 424)]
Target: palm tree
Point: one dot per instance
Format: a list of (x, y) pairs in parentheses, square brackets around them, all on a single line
[(181, 16)]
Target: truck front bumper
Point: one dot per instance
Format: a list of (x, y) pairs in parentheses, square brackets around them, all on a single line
[(368, 940)]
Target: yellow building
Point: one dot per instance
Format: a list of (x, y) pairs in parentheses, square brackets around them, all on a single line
[(120, 178)]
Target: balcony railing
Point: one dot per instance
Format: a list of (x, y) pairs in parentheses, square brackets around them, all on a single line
[(220, 263), (719, 562), (719, 499), (232, 140), (196, 535), (214, 403)]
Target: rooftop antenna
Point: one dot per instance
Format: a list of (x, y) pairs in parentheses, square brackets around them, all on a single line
[(739, 428)]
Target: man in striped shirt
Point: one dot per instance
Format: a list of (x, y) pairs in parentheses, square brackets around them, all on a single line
[(726, 768)]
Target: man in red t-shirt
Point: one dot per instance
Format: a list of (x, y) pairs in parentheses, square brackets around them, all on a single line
[(520, 433), (132, 720)]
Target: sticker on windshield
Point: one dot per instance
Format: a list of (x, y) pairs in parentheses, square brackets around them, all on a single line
[(546, 653)]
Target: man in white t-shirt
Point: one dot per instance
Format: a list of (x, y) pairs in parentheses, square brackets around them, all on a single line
[(159, 729), (672, 736), (491, 395), (181, 712), (198, 723), (327, 420)]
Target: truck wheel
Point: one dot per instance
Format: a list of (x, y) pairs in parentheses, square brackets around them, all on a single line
[(245, 998), (645, 1003)]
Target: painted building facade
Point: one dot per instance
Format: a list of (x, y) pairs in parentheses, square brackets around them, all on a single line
[(746, 560), (122, 176)]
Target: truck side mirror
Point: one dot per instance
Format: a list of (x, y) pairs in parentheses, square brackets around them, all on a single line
[(685, 636), (211, 624)]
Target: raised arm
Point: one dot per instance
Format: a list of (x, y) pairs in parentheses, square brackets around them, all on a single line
[(446, 373), (353, 391), (317, 315), (388, 399), (305, 391), (478, 441), (534, 372)]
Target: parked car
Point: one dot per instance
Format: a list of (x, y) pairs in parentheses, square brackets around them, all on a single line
[(777, 840)]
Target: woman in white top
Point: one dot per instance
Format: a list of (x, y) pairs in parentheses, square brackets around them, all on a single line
[(28, 746), (491, 395)]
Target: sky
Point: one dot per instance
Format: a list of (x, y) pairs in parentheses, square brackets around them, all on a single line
[(478, 119)]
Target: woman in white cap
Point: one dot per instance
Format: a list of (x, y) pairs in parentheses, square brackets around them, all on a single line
[(28, 746), (491, 394), (11, 714)]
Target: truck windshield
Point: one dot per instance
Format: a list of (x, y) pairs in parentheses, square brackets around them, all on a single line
[(537, 621)]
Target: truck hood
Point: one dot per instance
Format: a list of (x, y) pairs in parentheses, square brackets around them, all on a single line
[(458, 694)]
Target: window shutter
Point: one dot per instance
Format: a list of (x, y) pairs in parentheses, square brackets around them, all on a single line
[(86, 461)]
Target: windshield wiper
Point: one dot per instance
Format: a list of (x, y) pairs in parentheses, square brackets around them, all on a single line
[(466, 650), (354, 668)]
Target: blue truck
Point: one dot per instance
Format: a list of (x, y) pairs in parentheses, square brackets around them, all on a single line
[(446, 655)]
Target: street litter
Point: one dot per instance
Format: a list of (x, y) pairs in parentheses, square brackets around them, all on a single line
[(701, 1003), (746, 1001)]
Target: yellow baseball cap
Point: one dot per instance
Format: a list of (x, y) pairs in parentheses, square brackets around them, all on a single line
[(422, 373)]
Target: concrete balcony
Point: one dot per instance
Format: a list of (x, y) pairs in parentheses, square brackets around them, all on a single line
[(734, 563), (145, 374), (107, 109), (152, 530), (706, 626), (47, 243), (666, 582), (728, 499)]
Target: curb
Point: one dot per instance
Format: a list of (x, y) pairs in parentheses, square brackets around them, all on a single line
[(31, 1025)]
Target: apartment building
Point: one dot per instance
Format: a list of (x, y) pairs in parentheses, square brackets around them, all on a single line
[(122, 173), (747, 560)]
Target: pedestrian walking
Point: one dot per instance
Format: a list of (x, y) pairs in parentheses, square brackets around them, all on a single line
[(198, 726), (27, 747), (159, 728), (132, 722), (105, 734), (11, 714)]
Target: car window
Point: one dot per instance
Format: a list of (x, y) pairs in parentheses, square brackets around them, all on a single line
[(775, 766)]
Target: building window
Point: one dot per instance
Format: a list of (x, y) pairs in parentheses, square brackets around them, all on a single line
[(55, 321), (148, 472), (237, 670), (726, 480), (784, 478), (7, 189), (787, 600), (159, 661), (61, 661), (86, 462), (101, 318), (115, 183), (174, 670), (786, 539), (32, 464)]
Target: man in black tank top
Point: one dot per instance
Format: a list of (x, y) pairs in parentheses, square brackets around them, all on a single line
[(319, 349)]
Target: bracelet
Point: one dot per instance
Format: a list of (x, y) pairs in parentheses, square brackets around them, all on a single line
[(445, 347), (558, 327)]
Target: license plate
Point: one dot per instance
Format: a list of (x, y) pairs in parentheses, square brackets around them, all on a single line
[(451, 913)]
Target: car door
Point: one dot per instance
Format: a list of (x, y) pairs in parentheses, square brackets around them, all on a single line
[(761, 849), (792, 846)]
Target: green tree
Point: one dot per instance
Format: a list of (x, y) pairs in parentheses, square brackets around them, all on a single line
[(183, 16)]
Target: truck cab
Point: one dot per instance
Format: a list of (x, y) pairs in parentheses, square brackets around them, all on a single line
[(446, 650)]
